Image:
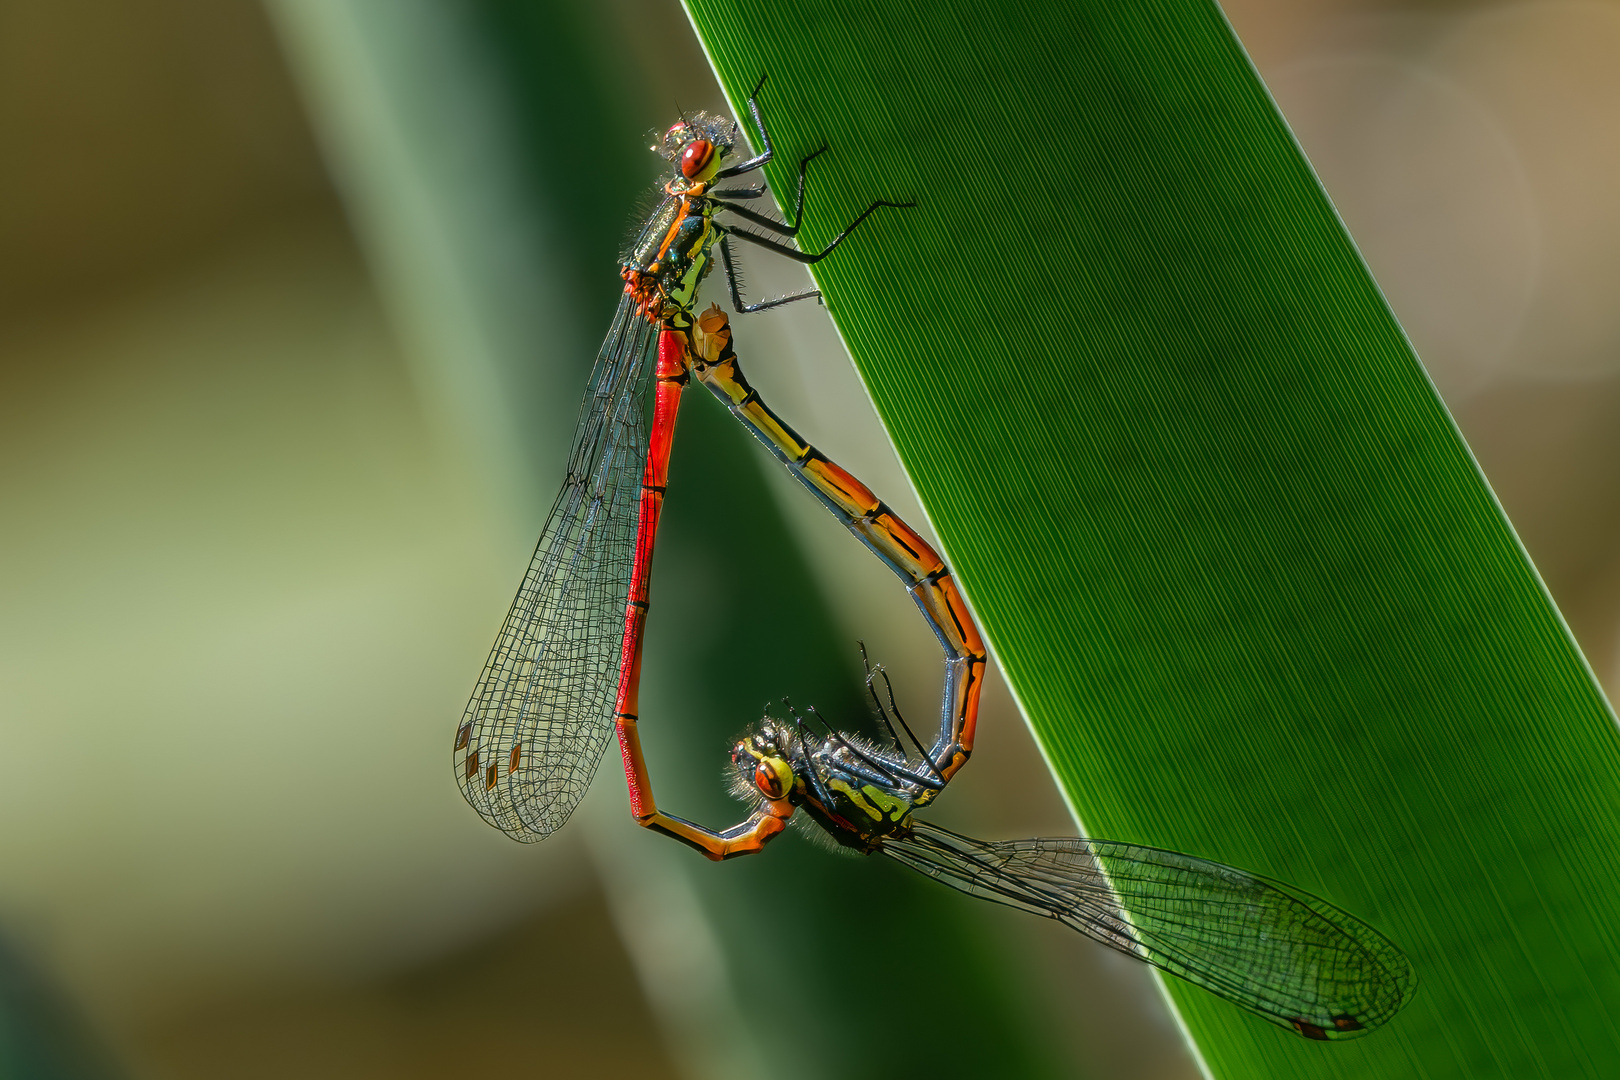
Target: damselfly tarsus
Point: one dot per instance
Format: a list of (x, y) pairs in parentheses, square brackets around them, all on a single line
[(550, 692)]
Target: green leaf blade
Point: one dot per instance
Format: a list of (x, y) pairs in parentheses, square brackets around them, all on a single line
[(1240, 568)]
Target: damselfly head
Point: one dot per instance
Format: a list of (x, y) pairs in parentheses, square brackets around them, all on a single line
[(697, 144), (761, 763)]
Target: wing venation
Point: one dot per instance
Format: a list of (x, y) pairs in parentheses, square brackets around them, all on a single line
[(1290, 957), (541, 713)]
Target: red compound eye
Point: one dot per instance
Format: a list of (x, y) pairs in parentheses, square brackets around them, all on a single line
[(769, 780), (695, 159)]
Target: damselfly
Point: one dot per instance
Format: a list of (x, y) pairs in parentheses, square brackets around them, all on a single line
[(550, 692), (566, 664)]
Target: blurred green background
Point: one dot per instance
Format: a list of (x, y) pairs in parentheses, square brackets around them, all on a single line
[(296, 302)]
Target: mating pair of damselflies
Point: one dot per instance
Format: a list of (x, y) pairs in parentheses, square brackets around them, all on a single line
[(565, 671)]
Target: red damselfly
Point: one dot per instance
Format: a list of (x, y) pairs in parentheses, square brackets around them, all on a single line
[(563, 671)]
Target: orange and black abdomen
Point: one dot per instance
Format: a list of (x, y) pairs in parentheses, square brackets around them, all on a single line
[(927, 577)]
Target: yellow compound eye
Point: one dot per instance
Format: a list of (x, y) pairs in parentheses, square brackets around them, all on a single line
[(773, 777)]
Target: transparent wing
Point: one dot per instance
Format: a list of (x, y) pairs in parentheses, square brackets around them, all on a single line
[(1294, 959), (542, 711)]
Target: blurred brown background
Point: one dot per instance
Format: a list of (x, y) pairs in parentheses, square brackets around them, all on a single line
[(258, 536)]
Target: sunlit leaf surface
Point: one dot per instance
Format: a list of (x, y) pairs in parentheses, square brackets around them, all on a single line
[(1240, 568)]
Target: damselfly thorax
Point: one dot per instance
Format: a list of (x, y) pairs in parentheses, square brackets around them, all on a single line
[(860, 794), (672, 255)]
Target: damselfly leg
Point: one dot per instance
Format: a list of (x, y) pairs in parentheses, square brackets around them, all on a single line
[(782, 228), (810, 258), (932, 776), (766, 151), (734, 281), (785, 228)]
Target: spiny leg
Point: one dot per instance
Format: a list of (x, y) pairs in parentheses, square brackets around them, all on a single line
[(878, 772), (764, 156), (736, 287), (883, 714), (872, 674), (785, 228), (817, 781), (883, 772), (810, 258)]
